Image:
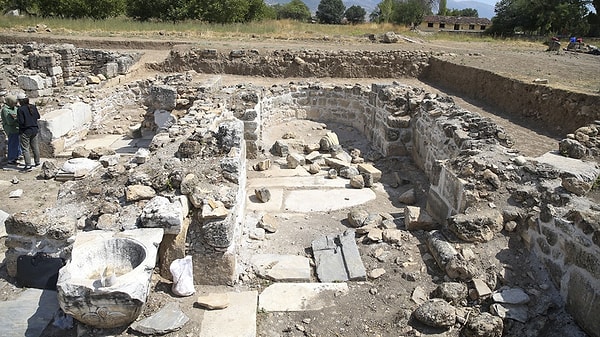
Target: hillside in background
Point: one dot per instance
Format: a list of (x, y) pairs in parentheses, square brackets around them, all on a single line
[(484, 10)]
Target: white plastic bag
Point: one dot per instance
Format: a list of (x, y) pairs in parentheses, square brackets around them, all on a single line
[(182, 271)]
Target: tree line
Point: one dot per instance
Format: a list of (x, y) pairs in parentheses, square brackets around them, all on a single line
[(536, 17)]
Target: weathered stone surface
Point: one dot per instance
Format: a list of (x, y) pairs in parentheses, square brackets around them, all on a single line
[(583, 302), (376, 273), (168, 319), (511, 296), (294, 160), (108, 261), (263, 194), (262, 165), (314, 168), (436, 312), (328, 141), (357, 218), (300, 296), (269, 223), (452, 292), (282, 268), (512, 311), (483, 325), (139, 192), (481, 288), (571, 148), (459, 268), (348, 172), (371, 171), (416, 218), (408, 197), (478, 226), (162, 213), (172, 247), (280, 148), (440, 248), (213, 301), (357, 182), (337, 258)]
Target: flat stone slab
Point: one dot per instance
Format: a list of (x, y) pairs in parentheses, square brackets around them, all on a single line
[(238, 319), (29, 314), (586, 171), (169, 318), (338, 259), (282, 268), (300, 296), (322, 200)]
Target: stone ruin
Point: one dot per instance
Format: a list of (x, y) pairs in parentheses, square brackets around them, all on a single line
[(193, 183)]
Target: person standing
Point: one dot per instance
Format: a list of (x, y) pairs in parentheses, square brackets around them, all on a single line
[(10, 125), (28, 115)]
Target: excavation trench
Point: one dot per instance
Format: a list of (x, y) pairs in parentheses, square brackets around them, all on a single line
[(472, 184)]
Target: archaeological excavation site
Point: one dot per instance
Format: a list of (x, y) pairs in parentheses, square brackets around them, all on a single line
[(188, 190)]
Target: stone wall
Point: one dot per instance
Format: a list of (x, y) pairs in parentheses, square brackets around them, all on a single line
[(299, 63)]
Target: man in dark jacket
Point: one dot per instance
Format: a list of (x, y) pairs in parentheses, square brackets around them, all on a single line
[(28, 116)]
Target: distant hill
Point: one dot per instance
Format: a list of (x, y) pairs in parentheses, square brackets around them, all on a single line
[(484, 10)]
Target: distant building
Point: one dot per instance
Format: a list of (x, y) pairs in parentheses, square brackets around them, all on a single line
[(463, 24)]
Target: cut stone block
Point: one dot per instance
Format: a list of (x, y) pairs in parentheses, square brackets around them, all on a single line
[(371, 171), (29, 314), (168, 319), (416, 218), (300, 296), (282, 268), (337, 258), (238, 319)]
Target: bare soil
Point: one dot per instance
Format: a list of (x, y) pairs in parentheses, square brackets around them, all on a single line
[(378, 307)]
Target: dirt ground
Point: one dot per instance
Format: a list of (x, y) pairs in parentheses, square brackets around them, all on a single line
[(382, 306)]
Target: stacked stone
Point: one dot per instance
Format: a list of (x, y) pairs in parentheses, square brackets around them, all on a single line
[(68, 61), (49, 64)]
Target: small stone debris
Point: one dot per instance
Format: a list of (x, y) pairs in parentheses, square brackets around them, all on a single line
[(16, 194), (419, 296), (262, 165), (269, 223), (483, 325), (170, 318), (332, 174), (213, 301), (436, 312), (453, 292), (417, 218), (263, 194), (408, 197), (357, 182), (376, 273), (512, 311), (14, 180), (314, 168), (540, 81), (481, 288), (511, 296), (257, 234)]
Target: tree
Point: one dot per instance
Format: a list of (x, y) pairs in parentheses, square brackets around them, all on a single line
[(544, 17), (385, 9), (355, 14), (295, 10), (411, 12), (330, 11), (442, 8), (469, 12)]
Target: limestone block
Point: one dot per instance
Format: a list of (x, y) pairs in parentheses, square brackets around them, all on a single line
[(31, 82), (370, 170), (110, 69), (161, 213), (139, 192), (55, 71), (82, 113), (172, 247), (162, 97), (294, 160), (214, 268), (416, 218), (479, 226), (583, 301)]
